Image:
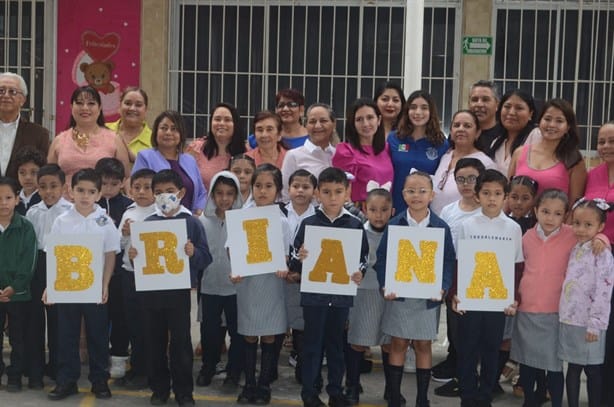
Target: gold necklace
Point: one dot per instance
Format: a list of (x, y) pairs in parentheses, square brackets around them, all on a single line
[(82, 139)]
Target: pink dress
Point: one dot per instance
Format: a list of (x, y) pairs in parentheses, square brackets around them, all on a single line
[(364, 167), (207, 167), (598, 186), (72, 158), (556, 176)]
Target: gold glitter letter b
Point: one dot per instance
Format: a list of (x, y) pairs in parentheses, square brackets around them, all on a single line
[(73, 265), (331, 260), (153, 253), (486, 274), (257, 242), (408, 260)]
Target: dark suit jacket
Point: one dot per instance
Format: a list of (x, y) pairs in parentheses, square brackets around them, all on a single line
[(28, 134)]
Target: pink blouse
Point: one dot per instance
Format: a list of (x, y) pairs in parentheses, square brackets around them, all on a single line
[(556, 176), (257, 156), (598, 186), (207, 167)]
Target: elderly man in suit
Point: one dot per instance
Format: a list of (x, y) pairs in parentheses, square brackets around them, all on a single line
[(15, 131)]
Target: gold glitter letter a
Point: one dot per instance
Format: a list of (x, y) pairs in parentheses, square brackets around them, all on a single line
[(153, 253), (331, 260), (257, 242), (73, 265), (408, 260), (486, 274)]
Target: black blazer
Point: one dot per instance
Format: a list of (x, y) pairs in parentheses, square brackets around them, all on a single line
[(28, 134)]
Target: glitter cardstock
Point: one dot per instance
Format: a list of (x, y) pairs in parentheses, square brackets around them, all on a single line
[(161, 262), (75, 266), (414, 261), (334, 255), (255, 240), (485, 274)]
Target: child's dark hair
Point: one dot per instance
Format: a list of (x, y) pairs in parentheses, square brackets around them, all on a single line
[(242, 156), (51, 169), (11, 183), (384, 193), (111, 167), (420, 174), (599, 206), (334, 175), (526, 181), (491, 175), (222, 180), (303, 173), (271, 169), (165, 176), (553, 193), (29, 154), (87, 174), (470, 163), (142, 173)]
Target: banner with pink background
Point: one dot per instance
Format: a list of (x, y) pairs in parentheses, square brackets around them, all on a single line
[(98, 44)]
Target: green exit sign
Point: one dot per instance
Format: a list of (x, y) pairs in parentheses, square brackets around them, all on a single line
[(477, 45)]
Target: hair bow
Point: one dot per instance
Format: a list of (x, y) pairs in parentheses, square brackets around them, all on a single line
[(371, 185), (599, 203)]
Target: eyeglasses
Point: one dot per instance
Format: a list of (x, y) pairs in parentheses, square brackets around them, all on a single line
[(289, 105), (10, 91), (470, 179), (411, 191)]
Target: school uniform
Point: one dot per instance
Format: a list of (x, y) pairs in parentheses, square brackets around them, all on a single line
[(42, 218), (26, 202), (481, 332), (325, 315), (95, 315), (169, 310)]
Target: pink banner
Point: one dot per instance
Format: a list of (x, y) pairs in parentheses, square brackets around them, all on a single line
[(98, 44)]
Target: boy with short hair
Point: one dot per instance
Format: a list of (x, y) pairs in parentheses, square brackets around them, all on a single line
[(143, 206), (28, 161), (85, 217), (481, 332), (113, 174), (169, 310), (325, 315), (50, 179)]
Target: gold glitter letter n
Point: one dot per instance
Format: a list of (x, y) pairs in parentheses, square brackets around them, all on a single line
[(408, 260)]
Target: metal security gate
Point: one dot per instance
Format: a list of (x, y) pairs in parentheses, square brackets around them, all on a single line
[(559, 49), (25, 36), (334, 51)]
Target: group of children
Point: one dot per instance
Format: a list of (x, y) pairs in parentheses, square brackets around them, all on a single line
[(562, 304)]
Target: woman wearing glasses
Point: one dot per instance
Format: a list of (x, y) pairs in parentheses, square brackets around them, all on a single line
[(290, 106), (464, 133), (418, 142)]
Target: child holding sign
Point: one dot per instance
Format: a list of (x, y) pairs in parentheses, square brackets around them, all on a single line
[(85, 217), (482, 331), (17, 257), (168, 311), (584, 308), (261, 301), (325, 315), (413, 319)]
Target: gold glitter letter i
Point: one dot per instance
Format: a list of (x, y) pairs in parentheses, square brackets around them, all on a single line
[(73, 268), (332, 261), (153, 253), (486, 274), (257, 242)]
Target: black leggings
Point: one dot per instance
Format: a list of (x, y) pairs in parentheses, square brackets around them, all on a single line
[(593, 384)]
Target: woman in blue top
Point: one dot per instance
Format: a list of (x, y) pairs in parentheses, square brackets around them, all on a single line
[(418, 142)]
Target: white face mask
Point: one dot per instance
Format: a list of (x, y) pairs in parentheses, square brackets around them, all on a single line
[(167, 202)]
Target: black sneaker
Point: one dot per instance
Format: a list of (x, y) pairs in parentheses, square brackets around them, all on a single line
[(450, 389), (338, 400), (61, 391), (101, 390), (185, 400), (313, 401), (262, 395), (158, 399), (248, 395), (13, 385), (352, 395), (204, 378)]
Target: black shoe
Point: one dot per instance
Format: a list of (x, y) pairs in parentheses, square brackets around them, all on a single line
[(101, 390), (158, 399), (230, 385), (450, 389), (36, 384), (248, 395), (339, 400), (204, 378), (13, 385), (61, 391), (403, 401), (262, 396), (313, 401), (352, 395), (185, 400), (136, 382)]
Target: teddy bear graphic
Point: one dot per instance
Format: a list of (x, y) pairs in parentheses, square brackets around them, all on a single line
[(98, 75)]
